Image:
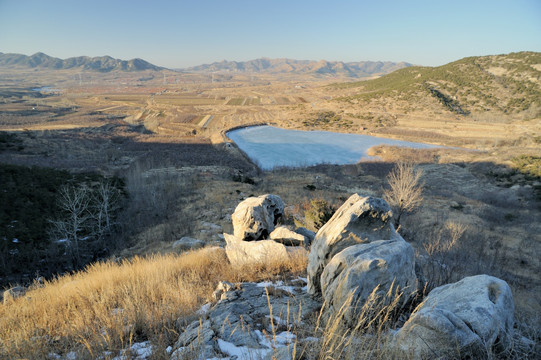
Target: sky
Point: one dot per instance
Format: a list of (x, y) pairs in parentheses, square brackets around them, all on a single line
[(183, 33)]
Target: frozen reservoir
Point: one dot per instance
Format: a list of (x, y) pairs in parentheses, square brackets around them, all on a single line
[(271, 147)]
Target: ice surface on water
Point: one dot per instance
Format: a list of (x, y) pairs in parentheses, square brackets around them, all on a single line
[(271, 147)]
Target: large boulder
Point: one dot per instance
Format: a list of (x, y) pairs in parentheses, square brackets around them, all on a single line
[(359, 220), (256, 217), (471, 318), (357, 271), (241, 252)]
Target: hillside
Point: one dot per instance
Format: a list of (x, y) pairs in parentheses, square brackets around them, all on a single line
[(502, 84), (101, 64), (322, 67)]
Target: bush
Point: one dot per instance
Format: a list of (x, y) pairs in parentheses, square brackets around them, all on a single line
[(405, 189), (317, 213)]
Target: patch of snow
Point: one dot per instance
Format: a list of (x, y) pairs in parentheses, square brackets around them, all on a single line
[(169, 349), (61, 241), (15, 241), (264, 284), (242, 352), (72, 355), (278, 285), (140, 351), (282, 339), (285, 338)]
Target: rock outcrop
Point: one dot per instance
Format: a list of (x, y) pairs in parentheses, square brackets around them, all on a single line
[(470, 318), (359, 220), (256, 217), (360, 269), (239, 323)]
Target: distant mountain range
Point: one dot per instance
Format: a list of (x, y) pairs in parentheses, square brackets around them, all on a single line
[(263, 65), (284, 66), (101, 63)]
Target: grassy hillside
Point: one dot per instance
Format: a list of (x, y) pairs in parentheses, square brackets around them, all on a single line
[(508, 84)]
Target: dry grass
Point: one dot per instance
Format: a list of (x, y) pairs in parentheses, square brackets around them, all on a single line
[(111, 305)]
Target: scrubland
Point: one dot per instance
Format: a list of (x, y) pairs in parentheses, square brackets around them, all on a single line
[(480, 210)]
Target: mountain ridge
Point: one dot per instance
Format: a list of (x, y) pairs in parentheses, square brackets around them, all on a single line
[(285, 65), (99, 63), (507, 83)]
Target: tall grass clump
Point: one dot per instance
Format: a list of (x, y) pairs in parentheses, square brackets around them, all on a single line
[(111, 305), (369, 333)]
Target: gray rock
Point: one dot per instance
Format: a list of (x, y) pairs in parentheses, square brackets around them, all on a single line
[(244, 308), (242, 253), (188, 243), (355, 272), (471, 317), (359, 220), (13, 293), (256, 217), (287, 237), (197, 330)]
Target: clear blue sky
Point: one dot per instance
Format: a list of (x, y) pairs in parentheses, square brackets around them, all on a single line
[(185, 33)]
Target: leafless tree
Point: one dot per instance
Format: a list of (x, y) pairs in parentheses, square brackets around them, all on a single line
[(75, 204), (405, 189), (105, 202), (87, 213)]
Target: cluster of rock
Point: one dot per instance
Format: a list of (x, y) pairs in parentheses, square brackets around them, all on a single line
[(257, 238), (358, 253)]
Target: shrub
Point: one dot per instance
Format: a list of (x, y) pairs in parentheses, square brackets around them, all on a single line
[(317, 213), (405, 189)]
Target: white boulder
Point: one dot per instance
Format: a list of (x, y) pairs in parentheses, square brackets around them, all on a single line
[(241, 252), (355, 272), (470, 318), (256, 217), (359, 220)]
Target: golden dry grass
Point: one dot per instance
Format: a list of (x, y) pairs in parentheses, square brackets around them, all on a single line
[(110, 305)]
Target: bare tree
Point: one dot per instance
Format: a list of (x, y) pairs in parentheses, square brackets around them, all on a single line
[(105, 202), (405, 189), (87, 214), (75, 204)]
